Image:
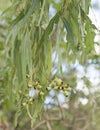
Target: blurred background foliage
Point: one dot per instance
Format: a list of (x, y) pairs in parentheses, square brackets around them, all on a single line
[(48, 39)]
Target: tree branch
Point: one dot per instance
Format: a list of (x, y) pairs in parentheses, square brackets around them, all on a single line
[(39, 124)]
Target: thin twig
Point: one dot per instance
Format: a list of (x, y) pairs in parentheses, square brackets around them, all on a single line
[(47, 122), (39, 124), (29, 114), (44, 121), (48, 125)]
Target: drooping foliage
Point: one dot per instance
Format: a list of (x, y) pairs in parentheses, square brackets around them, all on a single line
[(38, 41)]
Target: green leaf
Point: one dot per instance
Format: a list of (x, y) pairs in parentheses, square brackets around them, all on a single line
[(49, 28), (22, 21), (17, 59), (70, 36)]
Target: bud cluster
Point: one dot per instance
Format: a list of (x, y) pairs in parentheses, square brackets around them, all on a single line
[(57, 84), (25, 98)]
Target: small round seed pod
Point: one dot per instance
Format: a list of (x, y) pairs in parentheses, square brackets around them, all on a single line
[(23, 104), (31, 100), (66, 93), (58, 82), (30, 103), (41, 93), (26, 95), (53, 84), (56, 87), (64, 86), (48, 88), (37, 83), (60, 88), (69, 89), (30, 85), (38, 86)]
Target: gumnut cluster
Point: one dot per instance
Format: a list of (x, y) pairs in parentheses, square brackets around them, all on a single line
[(36, 90)]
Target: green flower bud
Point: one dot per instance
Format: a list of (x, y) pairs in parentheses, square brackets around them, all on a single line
[(53, 84), (37, 83), (60, 88), (48, 88), (26, 95), (56, 87), (59, 82), (31, 100), (23, 104), (64, 87), (66, 93), (38, 86), (41, 93), (69, 89), (30, 103), (30, 85)]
